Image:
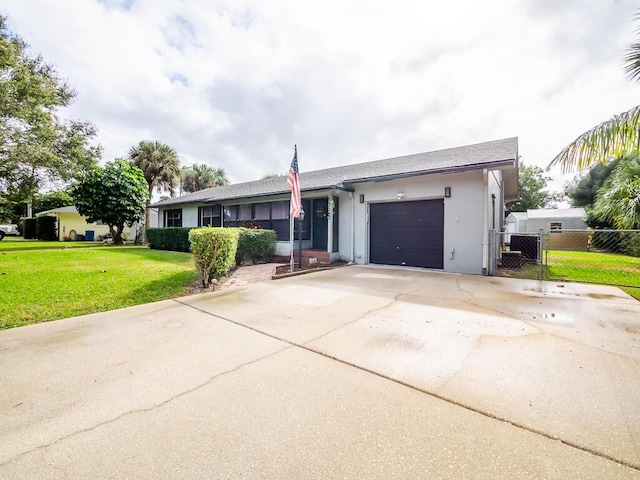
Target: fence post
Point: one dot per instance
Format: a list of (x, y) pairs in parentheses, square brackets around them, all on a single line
[(540, 249)]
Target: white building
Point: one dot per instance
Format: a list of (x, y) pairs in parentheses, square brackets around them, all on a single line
[(431, 210)]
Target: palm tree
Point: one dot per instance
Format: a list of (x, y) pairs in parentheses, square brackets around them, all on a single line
[(618, 200), (161, 167), (199, 177), (615, 138)]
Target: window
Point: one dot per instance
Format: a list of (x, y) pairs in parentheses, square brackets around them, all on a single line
[(556, 227), (280, 219), (209, 216), (173, 218), (262, 211), (270, 215), (237, 213)]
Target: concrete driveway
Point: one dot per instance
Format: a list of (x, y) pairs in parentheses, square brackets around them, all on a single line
[(358, 372)]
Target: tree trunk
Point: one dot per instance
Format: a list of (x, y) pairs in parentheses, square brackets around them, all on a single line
[(147, 215)]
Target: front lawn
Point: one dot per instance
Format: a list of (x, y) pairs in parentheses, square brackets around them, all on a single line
[(595, 267), (42, 285), (18, 243)]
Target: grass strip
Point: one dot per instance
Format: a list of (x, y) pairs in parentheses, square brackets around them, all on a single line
[(43, 285)]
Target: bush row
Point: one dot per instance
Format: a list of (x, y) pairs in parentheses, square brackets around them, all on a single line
[(174, 238), (212, 246), (40, 228)]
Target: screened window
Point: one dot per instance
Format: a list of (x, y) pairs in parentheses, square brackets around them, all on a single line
[(209, 216), (262, 211), (269, 215), (173, 218)]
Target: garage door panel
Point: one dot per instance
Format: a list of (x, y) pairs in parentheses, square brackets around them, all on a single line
[(407, 233)]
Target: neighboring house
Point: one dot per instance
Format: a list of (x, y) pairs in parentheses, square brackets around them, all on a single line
[(430, 210), (546, 219), (567, 226), (71, 224), (516, 223)]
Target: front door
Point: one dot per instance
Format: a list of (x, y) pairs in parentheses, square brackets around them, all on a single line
[(320, 223)]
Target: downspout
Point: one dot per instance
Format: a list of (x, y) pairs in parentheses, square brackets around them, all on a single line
[(485, 225), (353, 226)]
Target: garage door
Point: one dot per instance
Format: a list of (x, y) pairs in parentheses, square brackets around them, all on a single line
[(407, 233)]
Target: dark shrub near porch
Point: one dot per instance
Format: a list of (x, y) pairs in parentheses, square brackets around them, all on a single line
[(173, 238), (255, 244)]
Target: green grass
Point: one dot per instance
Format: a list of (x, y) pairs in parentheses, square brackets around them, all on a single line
[(43, 285), (594, 267), (18, 243)]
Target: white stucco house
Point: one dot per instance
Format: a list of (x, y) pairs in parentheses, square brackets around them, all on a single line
[(546, 219), (71, 225), (431, 210)]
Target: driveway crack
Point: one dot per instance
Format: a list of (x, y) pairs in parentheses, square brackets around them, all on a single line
[(434, 394), (43, 448), (368, 312)]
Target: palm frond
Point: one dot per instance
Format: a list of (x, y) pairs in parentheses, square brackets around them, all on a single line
[(617, 137)]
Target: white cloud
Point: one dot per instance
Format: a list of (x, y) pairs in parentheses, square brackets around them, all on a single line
[(236, 84)]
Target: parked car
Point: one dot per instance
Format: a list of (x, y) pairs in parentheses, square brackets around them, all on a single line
[(9, 229)]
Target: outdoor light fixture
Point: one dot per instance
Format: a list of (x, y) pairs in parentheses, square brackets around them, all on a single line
[(447, 192), (362, 198), (400, 195)]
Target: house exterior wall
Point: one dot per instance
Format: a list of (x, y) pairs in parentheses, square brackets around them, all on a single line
[(568, 223), (190, 217), (516, 224), (74, 221), (468, 215), (463, 216)]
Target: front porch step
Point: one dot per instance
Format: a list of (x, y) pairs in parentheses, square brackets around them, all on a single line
[(320, 256)]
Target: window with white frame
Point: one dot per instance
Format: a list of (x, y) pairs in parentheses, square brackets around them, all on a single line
[(173, 218)]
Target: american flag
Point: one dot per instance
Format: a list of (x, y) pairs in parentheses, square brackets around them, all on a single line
[(293, 181)]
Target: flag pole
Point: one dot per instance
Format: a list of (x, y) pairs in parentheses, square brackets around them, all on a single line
[(291, 262), (295, 205)]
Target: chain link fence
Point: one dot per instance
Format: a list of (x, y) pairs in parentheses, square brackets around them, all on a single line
[(610, 257)]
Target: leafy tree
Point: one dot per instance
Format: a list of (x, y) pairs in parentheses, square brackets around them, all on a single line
[(160, 165), (51, 200), (199, 177), (116, 194), (35, 146), (619, 199), (583, 190), (531, 190), (13, 205), (615, 138)]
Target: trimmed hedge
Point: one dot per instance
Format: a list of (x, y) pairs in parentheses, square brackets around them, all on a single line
[(255, 244), (173, 238), (46, 228), (28, 228), (214, 250)]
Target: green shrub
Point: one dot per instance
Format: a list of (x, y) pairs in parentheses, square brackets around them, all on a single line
[(606, 240), (214, 250), (46, 228), (255, 244), (630, 243), (29, 228), (173, 238)]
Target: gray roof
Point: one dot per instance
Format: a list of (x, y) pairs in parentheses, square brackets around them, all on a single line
[(71, 209), (492, 155), (577, 212)]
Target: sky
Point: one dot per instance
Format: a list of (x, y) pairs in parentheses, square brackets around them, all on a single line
[(236, 83)]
